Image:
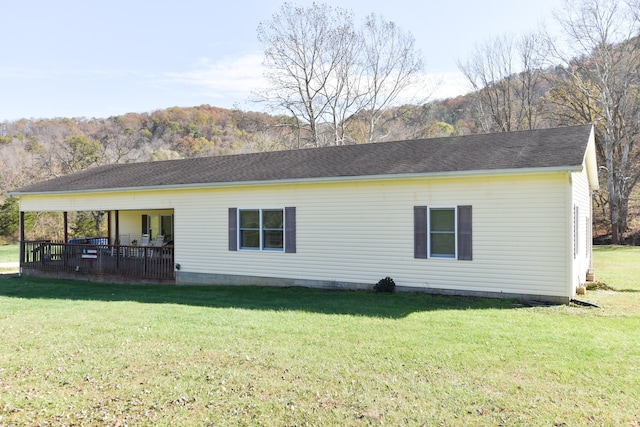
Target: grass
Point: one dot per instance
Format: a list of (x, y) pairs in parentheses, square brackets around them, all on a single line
[(618, 266), (9, 253), (75, 353)]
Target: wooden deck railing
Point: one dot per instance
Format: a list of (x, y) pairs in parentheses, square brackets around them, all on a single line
[(146, 262)]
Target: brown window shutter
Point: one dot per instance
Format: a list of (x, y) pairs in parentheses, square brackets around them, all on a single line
[(464, 233), (420, 232), (290, 230), (233, 229)]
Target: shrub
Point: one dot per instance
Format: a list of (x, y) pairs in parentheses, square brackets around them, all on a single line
[(385, 285)]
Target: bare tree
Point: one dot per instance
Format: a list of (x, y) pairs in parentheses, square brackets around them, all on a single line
[(391, 64), (599, 82), (303, 50), (506, 76), (344, 92), (327, 74)]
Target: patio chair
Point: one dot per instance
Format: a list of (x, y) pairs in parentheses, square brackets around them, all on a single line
[(157, 244), (140, 249), (124, 240)]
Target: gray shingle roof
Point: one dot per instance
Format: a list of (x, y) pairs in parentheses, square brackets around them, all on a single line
[(545, 148)]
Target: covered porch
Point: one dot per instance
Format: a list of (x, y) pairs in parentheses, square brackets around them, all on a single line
[(138, 247)]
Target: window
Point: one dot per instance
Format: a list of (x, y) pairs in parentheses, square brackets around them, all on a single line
[(249, 229), (155, 225), (442, 232), (262, 229)]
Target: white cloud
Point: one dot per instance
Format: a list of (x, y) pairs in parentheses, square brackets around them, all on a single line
[(235, 78), (232, 77), (450, 84)]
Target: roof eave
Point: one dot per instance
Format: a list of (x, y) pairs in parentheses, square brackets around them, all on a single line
[(409, 176)]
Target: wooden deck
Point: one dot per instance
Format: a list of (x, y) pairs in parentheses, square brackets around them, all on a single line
[(132, 262)]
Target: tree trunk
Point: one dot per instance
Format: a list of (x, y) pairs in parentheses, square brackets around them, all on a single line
[(614, 199)]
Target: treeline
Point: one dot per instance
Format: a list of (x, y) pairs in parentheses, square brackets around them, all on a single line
[(36, 149)]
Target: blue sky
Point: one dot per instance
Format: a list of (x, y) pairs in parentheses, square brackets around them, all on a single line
[(93, 58)]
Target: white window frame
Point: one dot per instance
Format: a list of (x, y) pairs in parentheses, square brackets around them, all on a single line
[(261, 229), (455, 232)]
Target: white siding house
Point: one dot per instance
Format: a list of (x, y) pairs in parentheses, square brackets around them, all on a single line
[(506, 215)]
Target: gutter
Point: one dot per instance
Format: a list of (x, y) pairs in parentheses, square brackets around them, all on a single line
[(365, 178)]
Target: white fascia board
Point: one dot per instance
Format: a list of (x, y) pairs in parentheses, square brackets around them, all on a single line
[(367, 178)]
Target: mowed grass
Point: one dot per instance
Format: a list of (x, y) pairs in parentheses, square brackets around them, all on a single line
[(75, 353), (617, 267), (9, 253)]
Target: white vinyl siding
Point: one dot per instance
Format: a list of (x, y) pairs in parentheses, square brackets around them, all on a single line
[(361, 232), (582, 228)]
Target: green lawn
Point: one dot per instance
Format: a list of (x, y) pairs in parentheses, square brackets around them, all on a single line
[(75, 353), (618, 266), (9, 253)]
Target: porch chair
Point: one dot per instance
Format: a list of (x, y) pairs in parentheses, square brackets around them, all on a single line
[(159, 240), (124, 240), (157, 244), (141, 250)]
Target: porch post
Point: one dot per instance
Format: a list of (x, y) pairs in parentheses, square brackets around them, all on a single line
[(65, 252), (117, 219), (65, 216), (109, 227), (116, 239), (21, 227)]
